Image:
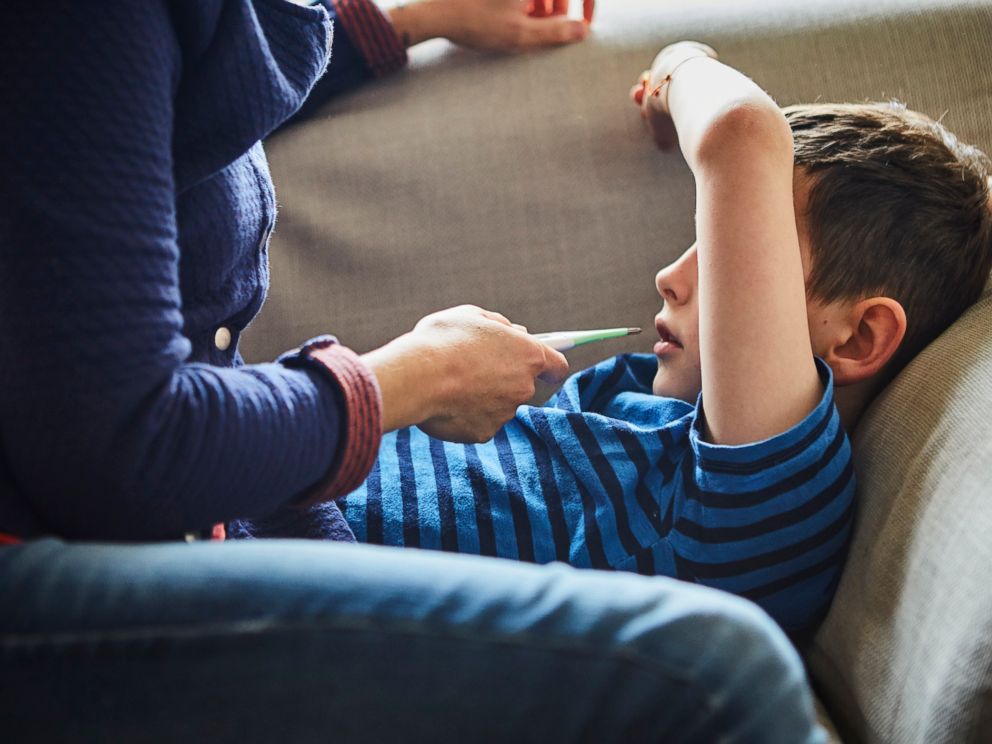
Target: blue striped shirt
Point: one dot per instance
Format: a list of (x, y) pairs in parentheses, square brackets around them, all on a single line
[(607, 475)]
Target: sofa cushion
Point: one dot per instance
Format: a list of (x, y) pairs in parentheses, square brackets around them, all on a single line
[(905, 654)]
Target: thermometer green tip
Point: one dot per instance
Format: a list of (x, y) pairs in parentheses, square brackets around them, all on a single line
[(565, 340)]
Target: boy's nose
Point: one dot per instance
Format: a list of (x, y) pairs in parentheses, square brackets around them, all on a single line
[(675, 281)]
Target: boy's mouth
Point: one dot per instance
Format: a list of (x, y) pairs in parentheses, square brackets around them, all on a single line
[(667, 341)]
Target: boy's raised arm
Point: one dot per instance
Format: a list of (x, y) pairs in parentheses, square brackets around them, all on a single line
[(757, 368)]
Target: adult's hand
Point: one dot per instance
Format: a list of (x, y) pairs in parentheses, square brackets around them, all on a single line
[(501, 25), (461, 373)]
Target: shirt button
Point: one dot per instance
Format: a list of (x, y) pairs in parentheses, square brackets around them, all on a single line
[(222, 338)]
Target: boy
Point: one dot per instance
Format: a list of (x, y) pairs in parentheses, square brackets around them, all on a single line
[(833, 243)]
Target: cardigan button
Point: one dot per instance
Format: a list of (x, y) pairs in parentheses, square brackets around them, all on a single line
[(222, 338)]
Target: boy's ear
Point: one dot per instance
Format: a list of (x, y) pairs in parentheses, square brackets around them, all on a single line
[(875, 329)]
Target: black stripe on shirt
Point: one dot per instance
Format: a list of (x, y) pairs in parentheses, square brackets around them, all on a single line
[(743, 499), (518, 507), (789, 553), (710, 534), (751, 467), (833, 560), (665, 463), (483, 507), (594, 540), (445, 500), (408, 490), (644, 562), (583, 382), (669, 518), (607, 388), (645, 500), (373, 506), (608, 481), (549, 487)]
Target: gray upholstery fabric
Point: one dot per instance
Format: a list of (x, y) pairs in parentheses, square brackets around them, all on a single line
[(906, 651), (525, 184)]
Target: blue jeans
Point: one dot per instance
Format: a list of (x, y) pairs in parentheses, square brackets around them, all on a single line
[(293, 641)]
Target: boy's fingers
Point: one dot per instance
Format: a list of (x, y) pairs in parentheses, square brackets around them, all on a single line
[(637, 93), (640, 88), (559, 7), (588, 6), (554, 30), (663, 130)]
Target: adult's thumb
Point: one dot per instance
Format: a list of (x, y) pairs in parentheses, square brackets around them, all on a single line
[(555, 367), (552, 30)]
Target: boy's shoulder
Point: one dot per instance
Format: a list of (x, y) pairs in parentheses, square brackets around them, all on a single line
[(619, 392), (620, 388), (819, 434)]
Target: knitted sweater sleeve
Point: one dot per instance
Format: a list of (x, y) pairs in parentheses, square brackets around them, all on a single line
[(365, 46), (108, 430)]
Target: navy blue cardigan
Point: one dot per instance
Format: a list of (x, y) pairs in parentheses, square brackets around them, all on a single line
[(135, 211)]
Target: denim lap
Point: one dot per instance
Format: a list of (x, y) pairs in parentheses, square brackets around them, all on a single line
[(309, 641)]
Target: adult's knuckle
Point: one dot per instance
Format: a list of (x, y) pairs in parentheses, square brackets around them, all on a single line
[(538, 361), (518, 394)]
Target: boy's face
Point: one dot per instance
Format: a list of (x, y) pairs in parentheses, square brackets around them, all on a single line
[(677, 323)]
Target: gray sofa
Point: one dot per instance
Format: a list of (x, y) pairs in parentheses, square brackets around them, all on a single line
[(525, 184)]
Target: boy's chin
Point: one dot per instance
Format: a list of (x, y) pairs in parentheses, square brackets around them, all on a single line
[(668, 385), (658, 386)]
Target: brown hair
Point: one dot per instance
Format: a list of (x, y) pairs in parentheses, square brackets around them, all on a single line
[(898, 207)]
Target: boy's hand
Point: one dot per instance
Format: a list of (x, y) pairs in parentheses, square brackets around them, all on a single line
[(651, 90), (499, 25)]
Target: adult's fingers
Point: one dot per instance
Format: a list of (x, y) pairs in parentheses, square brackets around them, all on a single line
[(500, 318), (555, 366), (553, 30), (544, 8), (539, 8), (493, 315)]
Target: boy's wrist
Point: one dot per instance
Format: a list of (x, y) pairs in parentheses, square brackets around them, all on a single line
[(668, 61)]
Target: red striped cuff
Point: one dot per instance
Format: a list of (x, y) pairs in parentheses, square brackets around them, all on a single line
[(373, 34), (363, 418)]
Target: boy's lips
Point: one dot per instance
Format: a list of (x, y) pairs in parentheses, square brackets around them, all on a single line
[(667, 341)]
